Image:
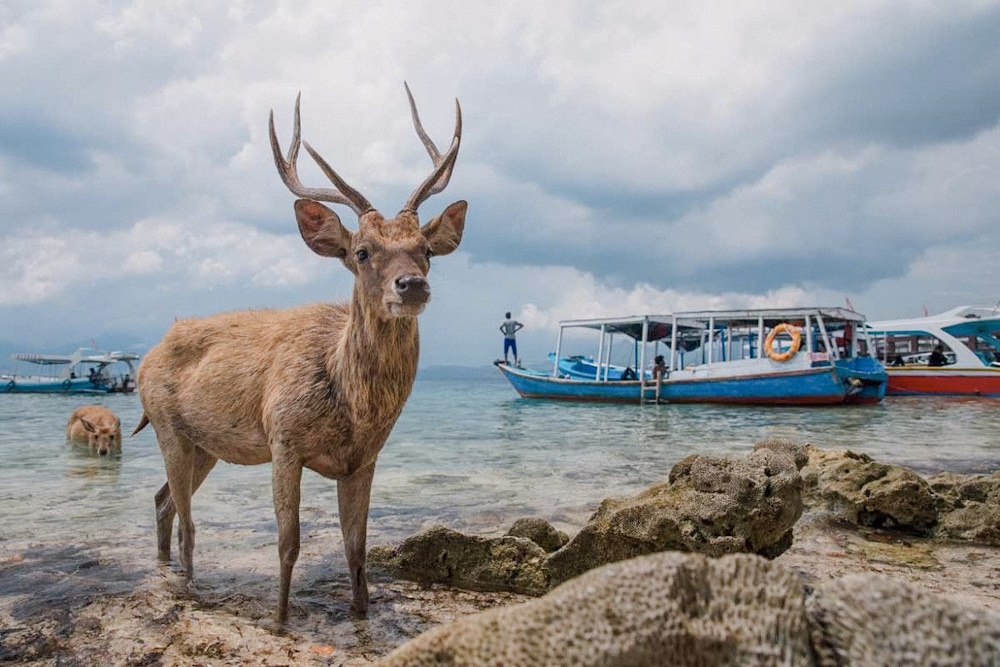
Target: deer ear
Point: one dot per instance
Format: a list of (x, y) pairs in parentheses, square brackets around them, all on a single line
[(321, 230), (87, 425), (444, 232)]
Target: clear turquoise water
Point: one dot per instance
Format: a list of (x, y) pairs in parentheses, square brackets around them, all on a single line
[(470, 455)]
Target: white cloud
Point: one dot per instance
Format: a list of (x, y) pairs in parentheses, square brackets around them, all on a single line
[(35, 269), (591, 299), (14, 39), (143, 261), (617, 156), (38, 267)]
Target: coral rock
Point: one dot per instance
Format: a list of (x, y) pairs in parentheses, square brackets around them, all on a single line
[(711, 505), (869, 493), (870, 619), (443, 556), (540, 532), (973, 511), (662, 609)]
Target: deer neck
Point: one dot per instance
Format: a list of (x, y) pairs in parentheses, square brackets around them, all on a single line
[(375, 360)]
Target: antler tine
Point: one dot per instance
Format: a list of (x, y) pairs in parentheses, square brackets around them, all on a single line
[(428, 143), (288, 171), (443, 164), (355, 199), (442, 181)]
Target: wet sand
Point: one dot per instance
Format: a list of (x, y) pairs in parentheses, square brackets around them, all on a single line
[(75, 606)]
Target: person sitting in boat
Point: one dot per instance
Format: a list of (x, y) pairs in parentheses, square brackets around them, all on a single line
[(848, 340), (659, 367), (629, 374), (937, 357), (898, 361)]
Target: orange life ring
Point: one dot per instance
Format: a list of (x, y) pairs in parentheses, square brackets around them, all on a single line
[(784, 327)]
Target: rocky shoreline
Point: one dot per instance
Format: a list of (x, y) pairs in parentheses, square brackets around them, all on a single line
[(821, 514)]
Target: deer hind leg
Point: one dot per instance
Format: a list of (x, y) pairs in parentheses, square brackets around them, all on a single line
[(353, 495), (165, 511), (178, 459), (286, 480), (164, 522)]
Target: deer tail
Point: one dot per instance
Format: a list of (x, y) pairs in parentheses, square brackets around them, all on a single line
[(142, 423)]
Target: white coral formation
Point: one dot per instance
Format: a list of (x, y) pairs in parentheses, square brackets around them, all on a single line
[(689, 609), (661, 609), (870, 619)]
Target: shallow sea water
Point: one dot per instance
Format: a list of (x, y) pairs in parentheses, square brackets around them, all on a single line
[(469, 455)]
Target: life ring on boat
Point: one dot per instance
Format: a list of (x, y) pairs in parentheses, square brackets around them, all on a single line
[(784, 327), (66, 385)]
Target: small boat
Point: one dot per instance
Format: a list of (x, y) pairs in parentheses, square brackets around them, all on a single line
[(794, 356), (86, 371), (969, 337), (582, 367)]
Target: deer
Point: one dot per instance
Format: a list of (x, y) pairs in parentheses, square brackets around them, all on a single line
[(317, 386), (95, 426)]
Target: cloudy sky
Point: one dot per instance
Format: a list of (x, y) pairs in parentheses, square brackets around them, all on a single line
[(617, 157)]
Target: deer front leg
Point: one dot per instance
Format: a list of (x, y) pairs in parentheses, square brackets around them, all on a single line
[(353, 494), (286, 478)]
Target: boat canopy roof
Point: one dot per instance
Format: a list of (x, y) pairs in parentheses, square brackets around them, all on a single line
[(660, 326), (81, 356), (771, 316), (961, 321)]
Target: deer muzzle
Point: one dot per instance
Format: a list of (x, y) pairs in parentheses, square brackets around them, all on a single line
[(412, 290)]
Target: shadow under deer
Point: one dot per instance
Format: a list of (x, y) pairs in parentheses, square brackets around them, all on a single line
[(317, 386)]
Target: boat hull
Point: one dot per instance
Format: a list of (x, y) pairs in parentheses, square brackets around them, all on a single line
[(944, 381), (832, 384), (19, 385), (815, 386), (536, 385)]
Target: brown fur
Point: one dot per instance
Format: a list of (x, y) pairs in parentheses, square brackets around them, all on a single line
[(317, 386), (97, 427)]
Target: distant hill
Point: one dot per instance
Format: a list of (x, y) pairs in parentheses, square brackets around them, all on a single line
[(459, 373), (127, 343)]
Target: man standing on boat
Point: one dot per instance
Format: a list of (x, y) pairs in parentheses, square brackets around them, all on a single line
[(509, 328)]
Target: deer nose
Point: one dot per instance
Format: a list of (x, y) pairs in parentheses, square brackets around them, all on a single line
[(413, 288)]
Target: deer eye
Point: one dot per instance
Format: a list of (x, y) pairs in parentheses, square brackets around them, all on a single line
[(362, 255)]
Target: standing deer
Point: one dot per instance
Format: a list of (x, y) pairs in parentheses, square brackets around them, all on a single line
[(317, 386)]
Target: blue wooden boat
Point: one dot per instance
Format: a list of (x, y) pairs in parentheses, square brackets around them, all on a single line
[(86, 371), (795, 356)]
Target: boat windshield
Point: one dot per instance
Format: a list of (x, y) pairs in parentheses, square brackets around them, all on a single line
[(978, 335)]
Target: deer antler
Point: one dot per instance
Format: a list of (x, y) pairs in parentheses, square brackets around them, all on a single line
[(443, 164), (287, 169)]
